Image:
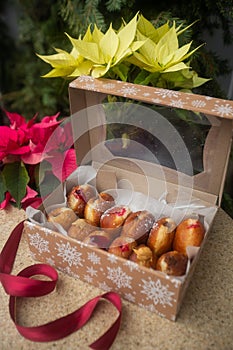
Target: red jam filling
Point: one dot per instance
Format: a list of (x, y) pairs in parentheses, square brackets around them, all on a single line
[(79, 195), (125, 248), (194, 225), (121, 212)]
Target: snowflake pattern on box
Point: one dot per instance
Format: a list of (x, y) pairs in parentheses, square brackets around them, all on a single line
[(167, 93), (223, 110), (93, 258), (39, 243), (69, 254), (157, 292), (119, 277)]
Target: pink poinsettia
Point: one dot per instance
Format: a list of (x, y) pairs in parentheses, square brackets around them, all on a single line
[(59, 154), (23, 146)]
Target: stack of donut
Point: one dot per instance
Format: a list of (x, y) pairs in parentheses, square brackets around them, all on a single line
[(94, 218)]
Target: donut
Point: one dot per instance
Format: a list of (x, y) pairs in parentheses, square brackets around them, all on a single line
[(190, 232), (143, 256), (114, 217), (172, 263), (137, 225), (96, 206), (122, 246), (99, 239), (62, 216), (78, 197), (80, 229), (161, 236)]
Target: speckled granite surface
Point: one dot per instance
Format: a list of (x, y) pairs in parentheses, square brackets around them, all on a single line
[(205, 320)]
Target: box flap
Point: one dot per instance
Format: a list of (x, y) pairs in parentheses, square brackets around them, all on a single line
[(183, 139)]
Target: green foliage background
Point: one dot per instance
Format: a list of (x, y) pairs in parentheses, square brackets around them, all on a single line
[(41, 25)]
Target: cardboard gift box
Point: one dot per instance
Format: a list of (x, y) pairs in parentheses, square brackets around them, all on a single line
[(156, 149)]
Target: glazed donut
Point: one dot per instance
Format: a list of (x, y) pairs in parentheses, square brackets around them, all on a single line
[(143, 256), (99, 239), (62, 216), (96, 206), (78, 197), (137, 225), (172, 263), (161, 236), (189, 232), (80, 229), (122, 246), (113, 219)]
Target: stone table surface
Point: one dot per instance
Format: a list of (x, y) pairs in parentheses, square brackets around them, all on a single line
[(205, 320)]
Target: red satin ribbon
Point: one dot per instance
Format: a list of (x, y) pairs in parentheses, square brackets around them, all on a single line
[(23, 286)]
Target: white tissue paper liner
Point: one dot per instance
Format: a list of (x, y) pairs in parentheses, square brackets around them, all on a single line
[(135, 200)]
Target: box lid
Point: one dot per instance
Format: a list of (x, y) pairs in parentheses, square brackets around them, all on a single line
[(174, 138)]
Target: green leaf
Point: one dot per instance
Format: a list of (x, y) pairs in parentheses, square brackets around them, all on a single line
[(16, 180), (3, 188)]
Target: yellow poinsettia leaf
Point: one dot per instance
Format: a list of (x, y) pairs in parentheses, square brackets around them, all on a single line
[(197, 81), (126, 36), (136, 45), (74, 52), (89, 51), (191, 52), (176, 67), (109, 44), (178, 31), (160, 32), (181, 52), (59, 72), (62, 58), (88, 35), (148, 50), (97, 34), (169, 40), (142, 58), (146, 27), (84, 68), (99, 71)]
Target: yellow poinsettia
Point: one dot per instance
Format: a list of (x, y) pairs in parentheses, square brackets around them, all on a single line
[(164, 54), (137, 52), (108, 50), (96, 53)]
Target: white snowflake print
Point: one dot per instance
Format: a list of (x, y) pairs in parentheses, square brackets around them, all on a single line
[(90, 86), (88, 278), (129, 297), (156, 100), (69, 254), (39, 243), (223, 110), (112, 258), (157, 292), (178, 103), (119, 277), (85, 78), (132, 265), (94, 258), (50, 261), (109, 86), (167, 93), (104, 286), (198, 103), (175, 281), (91, 271), (46, 230), (129, 90)]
